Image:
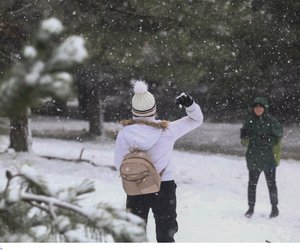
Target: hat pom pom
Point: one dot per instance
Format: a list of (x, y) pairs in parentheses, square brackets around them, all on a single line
[(140, 87)]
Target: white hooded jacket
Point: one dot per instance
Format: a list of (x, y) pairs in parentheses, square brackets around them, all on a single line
[(157, 143)]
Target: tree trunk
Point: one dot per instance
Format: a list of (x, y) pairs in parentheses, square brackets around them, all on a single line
[(95, 113), (20, 133), (83, 99)]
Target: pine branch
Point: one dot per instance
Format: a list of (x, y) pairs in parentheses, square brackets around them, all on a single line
[(43, 208), (64, 218), (53, 202), (19, 11), (9, 177), (5, 56), (51, 210)]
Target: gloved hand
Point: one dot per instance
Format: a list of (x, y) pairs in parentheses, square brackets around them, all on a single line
[(185, 100), (244, 133)]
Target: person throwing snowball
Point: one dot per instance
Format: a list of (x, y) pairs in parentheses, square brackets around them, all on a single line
[(144, 133)]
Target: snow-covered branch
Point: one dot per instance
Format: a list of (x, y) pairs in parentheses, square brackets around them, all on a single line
[(53, 202), (28, 204), (70, 52), (42, 69), (113, 168)]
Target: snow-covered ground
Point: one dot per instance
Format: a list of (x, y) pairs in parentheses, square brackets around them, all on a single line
[(211, 193), (209, 137)]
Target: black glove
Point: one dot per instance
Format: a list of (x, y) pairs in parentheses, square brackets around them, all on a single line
[(185, 100), (244, 133)]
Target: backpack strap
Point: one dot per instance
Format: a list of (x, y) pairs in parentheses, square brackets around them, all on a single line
[(134, 149), (162, 172)]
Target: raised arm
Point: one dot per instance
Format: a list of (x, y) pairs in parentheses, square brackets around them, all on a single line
[(193, 119)]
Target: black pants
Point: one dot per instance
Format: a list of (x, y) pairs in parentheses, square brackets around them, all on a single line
[(271, 182), (163, 205)]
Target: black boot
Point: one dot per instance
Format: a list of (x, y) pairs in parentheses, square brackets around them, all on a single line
[(250, 212), (274, 212)]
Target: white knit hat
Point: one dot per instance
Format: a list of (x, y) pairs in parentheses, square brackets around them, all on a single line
[(143, 102)]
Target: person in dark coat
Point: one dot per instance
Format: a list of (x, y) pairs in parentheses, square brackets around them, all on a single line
[(262, 134)]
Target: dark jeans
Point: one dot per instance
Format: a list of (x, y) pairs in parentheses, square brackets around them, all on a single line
[(163, 205), (271, 182)]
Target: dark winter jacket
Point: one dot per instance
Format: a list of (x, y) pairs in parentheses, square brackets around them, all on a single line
[(262, 136)]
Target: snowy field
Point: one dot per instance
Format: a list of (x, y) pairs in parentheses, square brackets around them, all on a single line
[(211, 193), (209, 137)]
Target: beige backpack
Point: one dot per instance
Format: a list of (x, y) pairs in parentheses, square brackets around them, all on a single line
[(138, 174)]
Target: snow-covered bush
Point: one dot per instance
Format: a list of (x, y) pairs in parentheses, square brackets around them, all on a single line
[(31, 212)]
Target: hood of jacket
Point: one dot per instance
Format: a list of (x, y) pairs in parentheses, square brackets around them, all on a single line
[(141, 136), (261, 101)]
